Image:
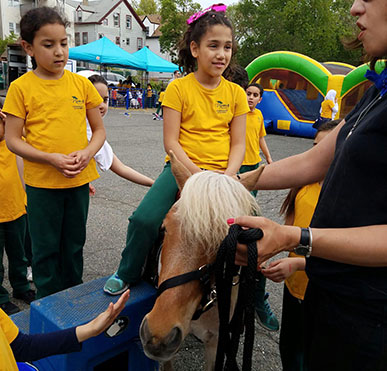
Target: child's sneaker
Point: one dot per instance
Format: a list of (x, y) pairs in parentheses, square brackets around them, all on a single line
[(115, 285), (264, 315)]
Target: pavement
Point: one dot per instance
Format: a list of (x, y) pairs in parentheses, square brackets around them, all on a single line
[(137, 141)]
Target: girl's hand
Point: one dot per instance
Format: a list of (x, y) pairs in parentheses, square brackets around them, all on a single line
[(276, 238), (92, 190), (82, 158), (64, 164), (281, 269), (103, 321)]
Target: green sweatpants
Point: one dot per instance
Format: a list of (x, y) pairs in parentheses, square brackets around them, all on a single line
[(57, 224), (144, 225), (245, 169), (12, 236)]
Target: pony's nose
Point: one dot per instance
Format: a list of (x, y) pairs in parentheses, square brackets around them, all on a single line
[(160, 349)]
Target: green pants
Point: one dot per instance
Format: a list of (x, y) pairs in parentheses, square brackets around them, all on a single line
[(12, 235), (57, 224), (144, 225), (245, 169)]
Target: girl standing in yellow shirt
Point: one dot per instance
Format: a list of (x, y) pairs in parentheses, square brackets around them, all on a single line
[(204, 125), (51, 104)]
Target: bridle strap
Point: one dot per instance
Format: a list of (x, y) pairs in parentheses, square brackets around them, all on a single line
[(202, 274)]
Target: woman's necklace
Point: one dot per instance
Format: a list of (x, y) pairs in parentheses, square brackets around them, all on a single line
[(363, 113)]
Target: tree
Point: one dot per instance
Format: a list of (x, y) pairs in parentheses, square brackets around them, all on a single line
[(146, 7), (310, 27), (174, 14), (10, 39)]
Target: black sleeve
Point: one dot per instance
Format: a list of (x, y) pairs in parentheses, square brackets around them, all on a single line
[(36, 346)]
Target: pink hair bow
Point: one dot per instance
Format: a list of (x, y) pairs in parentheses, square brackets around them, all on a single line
[(213, 8)]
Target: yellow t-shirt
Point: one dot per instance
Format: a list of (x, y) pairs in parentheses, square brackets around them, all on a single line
[(12, 193), (8, 333), (161, 96), (305, 203), (255, 129), (205, 118), (55, 121), (326, 109), (149, 92)]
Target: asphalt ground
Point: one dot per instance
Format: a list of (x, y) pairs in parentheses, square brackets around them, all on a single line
[(137, 140)]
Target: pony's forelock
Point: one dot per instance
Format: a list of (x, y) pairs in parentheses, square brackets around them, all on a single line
[(207, 200)]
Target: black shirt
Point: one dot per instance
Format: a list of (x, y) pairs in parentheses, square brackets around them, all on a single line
[(354, 194)]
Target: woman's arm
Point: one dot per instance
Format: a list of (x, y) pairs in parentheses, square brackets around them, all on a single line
[(364, 246), (237, 144), (98, 137), (265, 150), (172, 120), (13, 133), (305, 168)]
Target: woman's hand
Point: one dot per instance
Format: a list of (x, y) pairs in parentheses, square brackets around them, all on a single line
[(281, 269), (103, 321), (276, 238)]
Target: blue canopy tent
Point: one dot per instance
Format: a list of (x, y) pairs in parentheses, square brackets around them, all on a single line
[(105, 52), (152, 62)]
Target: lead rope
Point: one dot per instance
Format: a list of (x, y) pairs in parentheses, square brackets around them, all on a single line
[(243, 318)]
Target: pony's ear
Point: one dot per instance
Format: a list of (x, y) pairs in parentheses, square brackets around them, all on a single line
[(179, 171), (250, 178)]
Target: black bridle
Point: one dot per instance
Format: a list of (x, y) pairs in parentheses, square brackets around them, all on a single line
[(203, 275)]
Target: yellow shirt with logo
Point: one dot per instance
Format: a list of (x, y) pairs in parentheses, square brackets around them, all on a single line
[(55, 122), (205, 118), (8, 333), (12, 195), (326, 109), (305, 203), (255, 129)]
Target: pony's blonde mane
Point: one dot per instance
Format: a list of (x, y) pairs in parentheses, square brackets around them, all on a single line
[(207, 200)]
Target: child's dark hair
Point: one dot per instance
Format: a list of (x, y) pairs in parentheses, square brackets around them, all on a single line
[(195, 32), (287, 208), (259, 86), (36, 18), (95, 79), (240, 76)]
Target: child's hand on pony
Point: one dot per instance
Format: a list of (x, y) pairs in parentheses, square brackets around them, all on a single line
[(103, 321)]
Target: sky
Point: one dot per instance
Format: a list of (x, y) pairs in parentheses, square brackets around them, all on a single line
[(207, 3)]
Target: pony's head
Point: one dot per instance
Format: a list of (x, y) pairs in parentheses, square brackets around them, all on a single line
[(194, 228)]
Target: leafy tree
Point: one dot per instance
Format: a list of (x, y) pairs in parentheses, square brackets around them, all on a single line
[(311, 27), (146, 7), (10, 39), (174, 14)]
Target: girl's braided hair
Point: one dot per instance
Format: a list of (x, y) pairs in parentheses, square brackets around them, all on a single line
[(195, 32)]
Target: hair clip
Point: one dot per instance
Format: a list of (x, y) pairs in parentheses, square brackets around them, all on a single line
[(213, 8)]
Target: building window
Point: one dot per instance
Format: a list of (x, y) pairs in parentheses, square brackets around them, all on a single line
[(147, 31), (13, 3), (116, 18), (12, 27), (105, 22), (77, 39), (139, 43), (79, 15), (100, 35), (117, 40), (85, 37), (129, 22), (127, 41)]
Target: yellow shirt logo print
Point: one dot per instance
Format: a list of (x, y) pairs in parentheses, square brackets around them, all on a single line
[(221, 107), (78, 103)]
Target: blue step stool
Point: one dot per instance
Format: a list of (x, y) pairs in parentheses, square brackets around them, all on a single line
[(119, 348)]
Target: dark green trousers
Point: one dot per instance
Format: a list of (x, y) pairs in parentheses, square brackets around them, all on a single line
[(57, 225), (12, 235), (245, 169), (144, 225)]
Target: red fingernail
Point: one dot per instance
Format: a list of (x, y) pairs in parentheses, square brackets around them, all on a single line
[(230, 221)]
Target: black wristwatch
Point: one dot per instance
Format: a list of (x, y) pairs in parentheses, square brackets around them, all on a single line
[(305, 246)]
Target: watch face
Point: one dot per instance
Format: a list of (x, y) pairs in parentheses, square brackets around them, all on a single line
[(302, 250)]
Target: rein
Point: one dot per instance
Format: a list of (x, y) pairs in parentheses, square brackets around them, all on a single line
[(243, 318)]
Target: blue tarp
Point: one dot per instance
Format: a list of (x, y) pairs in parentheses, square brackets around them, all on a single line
[(153, 63), (104, 51)]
